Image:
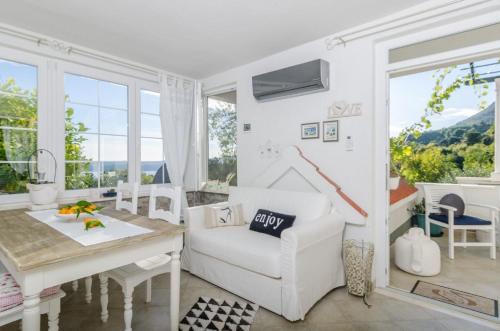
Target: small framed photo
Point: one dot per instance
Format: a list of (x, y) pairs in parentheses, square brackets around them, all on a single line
[(310, 130), (331, 131)]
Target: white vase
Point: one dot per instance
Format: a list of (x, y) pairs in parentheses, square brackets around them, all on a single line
[(42, 194), (394, 182)]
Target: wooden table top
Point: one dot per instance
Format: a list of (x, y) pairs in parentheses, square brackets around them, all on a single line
[(31, 244)]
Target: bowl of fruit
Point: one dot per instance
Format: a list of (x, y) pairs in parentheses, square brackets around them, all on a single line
[(74, 211)]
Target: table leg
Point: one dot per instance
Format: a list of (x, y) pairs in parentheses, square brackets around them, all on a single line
[(175, 283), (31, 312)]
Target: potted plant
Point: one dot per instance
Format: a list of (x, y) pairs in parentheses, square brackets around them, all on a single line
[(418, 214), (394, 177)]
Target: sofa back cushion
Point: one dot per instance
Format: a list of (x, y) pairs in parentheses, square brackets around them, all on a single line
[(306, 206)]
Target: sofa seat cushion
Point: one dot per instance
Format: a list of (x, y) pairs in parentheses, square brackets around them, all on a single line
[(241, 247)]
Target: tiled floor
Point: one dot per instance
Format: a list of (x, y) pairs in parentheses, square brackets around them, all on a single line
[(472, 270), (338, 311)]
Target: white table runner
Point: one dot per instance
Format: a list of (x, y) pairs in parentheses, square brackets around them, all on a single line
[(114, 229)]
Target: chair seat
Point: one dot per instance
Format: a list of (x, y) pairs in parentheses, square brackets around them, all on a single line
[(133, 274), (153, 262), (462, 220)]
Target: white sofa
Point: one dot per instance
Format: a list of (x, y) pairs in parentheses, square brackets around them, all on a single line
[(288, 275)]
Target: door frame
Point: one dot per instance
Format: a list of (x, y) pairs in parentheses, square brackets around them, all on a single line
[(383, 69)]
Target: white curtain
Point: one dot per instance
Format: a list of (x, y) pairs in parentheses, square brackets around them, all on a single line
[(176, 116)]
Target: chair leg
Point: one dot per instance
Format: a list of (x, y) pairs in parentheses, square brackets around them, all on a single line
[(127, 314), (75, 285), (104, 297), (464, 236), (493, 248), (53, 315), (148, 290), (451, 243), (88, 289), (427, 227)]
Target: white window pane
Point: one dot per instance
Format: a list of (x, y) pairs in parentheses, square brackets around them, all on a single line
[(154, 172), (151, 149), (150, 102), (113, 148), (112, 172), (82, 117), (114, 121), (18, 124), (81, 175), (150, 126), (80, 89), (85, 148), (17, 78), (113, 95)]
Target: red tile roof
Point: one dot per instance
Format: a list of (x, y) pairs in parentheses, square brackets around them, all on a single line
[(404, 190)]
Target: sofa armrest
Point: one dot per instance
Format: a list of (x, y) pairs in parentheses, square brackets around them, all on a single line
[(194, 220), (311, 263)]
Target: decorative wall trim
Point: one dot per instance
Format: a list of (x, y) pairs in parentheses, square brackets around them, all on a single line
[(293, 158)]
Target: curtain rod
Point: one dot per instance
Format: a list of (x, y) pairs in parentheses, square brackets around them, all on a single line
[(66, 49), (384, 26)]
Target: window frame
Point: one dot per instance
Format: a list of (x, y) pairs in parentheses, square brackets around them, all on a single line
[(203, 140), (152, 87), (44, 117), (51, 126), (112, 77)]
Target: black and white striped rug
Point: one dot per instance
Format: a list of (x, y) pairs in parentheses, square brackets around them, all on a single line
[(209, 314)]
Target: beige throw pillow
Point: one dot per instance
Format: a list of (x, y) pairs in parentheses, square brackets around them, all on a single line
[(224, 215)]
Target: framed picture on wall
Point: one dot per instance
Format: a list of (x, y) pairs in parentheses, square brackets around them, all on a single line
[(331, 131), (310, 130)]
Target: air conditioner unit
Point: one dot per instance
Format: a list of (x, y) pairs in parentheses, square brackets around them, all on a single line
[(300, 79)]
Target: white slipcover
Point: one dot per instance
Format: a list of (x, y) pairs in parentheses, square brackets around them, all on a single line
[(288, 275)]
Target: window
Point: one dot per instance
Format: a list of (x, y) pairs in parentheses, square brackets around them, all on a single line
[(96, 132), (18, 124), (153, 169), (221, 168)]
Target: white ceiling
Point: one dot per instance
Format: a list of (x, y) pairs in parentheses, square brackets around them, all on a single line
[(196, 38)]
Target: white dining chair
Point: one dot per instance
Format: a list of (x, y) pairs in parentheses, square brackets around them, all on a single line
[(134, 274), (122, 190), (50, 302)]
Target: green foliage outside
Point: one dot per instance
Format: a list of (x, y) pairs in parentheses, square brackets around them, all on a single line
[(222, 127), (421, 155), (18, 109)]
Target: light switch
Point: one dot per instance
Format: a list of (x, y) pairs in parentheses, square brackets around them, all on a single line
[(349, 143)]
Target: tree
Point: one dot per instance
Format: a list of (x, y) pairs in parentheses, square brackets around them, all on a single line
[(429, 163), (472, 137), (18, 109), (222, 127)]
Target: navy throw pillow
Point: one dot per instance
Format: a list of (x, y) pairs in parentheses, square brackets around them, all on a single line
[(271, 223)]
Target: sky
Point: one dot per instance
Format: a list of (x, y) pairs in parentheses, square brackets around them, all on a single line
[(103, 108), (409, 96)]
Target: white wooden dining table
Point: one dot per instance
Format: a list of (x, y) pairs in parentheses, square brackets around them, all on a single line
[(40, 257)]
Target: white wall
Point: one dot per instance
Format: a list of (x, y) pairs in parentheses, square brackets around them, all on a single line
[(351, 79), (351, 74)]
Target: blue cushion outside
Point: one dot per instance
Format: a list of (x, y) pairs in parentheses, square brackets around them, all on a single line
[(462, 220)]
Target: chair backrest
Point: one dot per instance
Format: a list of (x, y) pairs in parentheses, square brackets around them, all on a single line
[(130, 189), (173, 215), (434, 192)]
